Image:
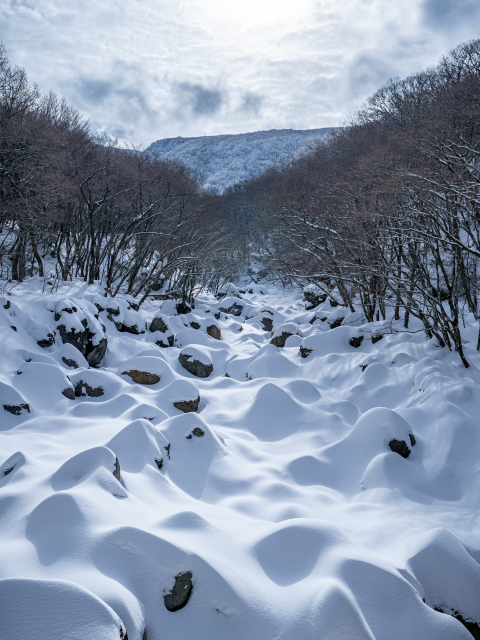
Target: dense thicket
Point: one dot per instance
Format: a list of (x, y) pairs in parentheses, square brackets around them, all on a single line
[(386, 213), (73, 204)]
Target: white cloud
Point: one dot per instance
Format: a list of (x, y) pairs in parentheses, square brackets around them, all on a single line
[(145, 69)]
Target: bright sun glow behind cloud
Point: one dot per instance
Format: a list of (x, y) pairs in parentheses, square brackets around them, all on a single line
[(148, 69), (252, 13)]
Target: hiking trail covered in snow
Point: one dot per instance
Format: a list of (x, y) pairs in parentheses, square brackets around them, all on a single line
[(242, 470)]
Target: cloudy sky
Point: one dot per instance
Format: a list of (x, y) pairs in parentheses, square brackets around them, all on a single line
[(148, 69)]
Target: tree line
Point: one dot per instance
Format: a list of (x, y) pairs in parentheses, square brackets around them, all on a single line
[(73, 204), (386, 213)]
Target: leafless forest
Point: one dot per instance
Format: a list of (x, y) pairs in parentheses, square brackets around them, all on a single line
[(385, 214)]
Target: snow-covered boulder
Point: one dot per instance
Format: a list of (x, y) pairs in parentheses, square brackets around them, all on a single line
[(284, 331), (313, 296), (183, 394), (336, 318), (196, 360), (147, 370), (12, 401), (80, 328)]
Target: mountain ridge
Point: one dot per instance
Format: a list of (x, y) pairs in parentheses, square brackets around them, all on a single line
[(227, 159)]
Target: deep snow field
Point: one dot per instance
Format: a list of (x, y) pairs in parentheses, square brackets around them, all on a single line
[(279, 499)]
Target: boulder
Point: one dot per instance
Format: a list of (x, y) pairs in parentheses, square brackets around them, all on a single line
[(180, 593), (12, 401), (70, 362), (142, 377), (196, 361), (356, 341), (197, 432), (401, 447), (279, 340), (376, 337), (267, 323), (305, 352), (83, 389), (182, 307), (187, 406), (69, 393), (214, 331), (166, 342), (83, 331), (159, 324), (313, 296)]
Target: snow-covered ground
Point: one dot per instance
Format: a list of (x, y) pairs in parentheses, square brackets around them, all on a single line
[(222, 161), (282, 507)]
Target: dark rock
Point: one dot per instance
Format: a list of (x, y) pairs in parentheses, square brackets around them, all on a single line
[(112, 311), (69, 393), (7, 305), (333, 303), (180, 593), (17, 409), (234, 310), (94, 353), (165, 345), (356, 341), (364, 366), (413, 442), (99, 307), (69, 362), (305, 352), (47, 342), (158, 324), (214, 332), (83, 389), (70, 310), (167, 449), (14, 328), (195, 367), (159, 462), (336, 323), (187, 406), (196, 432), (82, 340), (250, 291), (400, 447), (134, 306), (267, 324), (376, 338), (216, 315), (182, 307), (279, 341), (472, 627), (116, 471), (125, 328), (142, 377), (314, 299), (195, 325)]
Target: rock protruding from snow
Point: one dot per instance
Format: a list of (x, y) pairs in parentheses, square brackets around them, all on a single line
[(80, 328), (180, 593), (196, 360), (147, 370), (283, 332), (12, 401), (183, 394), (313, 296)]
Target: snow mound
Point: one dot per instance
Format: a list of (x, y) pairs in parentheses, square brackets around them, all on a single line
[(324, 489)]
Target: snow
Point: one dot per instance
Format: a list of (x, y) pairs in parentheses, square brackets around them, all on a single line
[(222, 161), (281, 493)]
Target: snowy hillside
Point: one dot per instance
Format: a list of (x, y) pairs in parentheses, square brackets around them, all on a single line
[(246, 470), (222, 161)]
